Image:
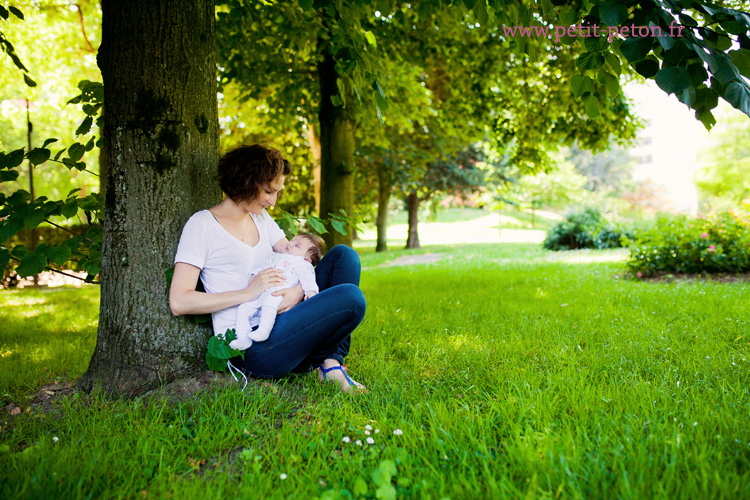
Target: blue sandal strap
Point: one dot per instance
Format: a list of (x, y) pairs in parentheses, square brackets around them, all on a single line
[(339, 367)]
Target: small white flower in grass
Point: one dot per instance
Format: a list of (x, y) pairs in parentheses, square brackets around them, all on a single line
[(55, 439), (398, 432), (370, 440), (282, 476), (358, 442), (695, 423), (346, 439), (367, 433), (368, 427), (377, 431)]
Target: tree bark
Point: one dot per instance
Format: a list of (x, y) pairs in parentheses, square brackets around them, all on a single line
[(314, 138), (161, 137), (336, 150), (384, 196), (412, 205)]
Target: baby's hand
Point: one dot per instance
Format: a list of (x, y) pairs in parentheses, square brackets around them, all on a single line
[(310, 294)]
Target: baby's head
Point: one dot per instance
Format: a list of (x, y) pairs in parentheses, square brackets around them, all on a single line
[(306, 245)]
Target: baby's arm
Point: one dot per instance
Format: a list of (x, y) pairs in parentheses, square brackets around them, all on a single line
[(306, 274)]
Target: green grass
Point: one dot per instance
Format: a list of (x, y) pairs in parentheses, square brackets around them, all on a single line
[(512, 373)]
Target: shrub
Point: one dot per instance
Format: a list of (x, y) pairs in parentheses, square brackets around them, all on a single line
[(714, 243), (585, 229)]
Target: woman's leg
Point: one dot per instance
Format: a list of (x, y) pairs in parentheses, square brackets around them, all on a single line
[(339, 265), (310, 333)]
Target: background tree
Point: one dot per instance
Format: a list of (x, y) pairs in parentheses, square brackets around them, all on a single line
[(723, 180)]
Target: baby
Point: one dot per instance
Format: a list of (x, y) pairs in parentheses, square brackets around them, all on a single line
[(296, 261)]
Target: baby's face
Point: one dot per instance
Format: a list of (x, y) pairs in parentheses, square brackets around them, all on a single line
[(298, 246)]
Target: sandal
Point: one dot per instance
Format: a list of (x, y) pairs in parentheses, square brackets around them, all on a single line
[(353, 385)]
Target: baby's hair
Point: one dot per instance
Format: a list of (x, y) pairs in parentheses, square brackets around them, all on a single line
[(315, 252)]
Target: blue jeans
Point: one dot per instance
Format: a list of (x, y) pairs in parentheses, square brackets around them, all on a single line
[(316, 329)]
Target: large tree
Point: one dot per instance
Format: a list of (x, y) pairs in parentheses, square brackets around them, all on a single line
[(161, 132)]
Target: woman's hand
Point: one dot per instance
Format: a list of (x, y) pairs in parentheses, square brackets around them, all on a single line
[(292, 297), (263, 281)]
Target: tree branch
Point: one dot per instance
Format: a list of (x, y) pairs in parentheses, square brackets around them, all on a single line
[(69, 231), (83, 28)]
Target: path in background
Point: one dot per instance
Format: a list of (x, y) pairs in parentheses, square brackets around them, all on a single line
[(484, 229)]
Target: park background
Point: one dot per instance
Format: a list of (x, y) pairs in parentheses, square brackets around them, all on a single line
[(497, 367)]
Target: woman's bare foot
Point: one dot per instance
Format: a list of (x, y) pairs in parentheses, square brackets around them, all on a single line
[(332, 370)]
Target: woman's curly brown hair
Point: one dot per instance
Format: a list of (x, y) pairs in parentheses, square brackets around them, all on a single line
[(244, 171)]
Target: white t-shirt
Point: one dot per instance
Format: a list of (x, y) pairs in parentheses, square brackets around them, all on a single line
[(225, 262)]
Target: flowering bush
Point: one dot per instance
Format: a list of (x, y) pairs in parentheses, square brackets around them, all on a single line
[(715, 243), (585, 229)]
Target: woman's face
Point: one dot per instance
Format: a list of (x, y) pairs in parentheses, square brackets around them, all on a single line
[(266, 198)]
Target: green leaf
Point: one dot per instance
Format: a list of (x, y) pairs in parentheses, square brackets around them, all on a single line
[(581, 84), (8, 175), (360, 487), (336, 100), (614, 62), (371, 38), (687, 97), (722, 68), (76, 151), (592, 106), (741, 59), (706, 117), (37, 156), (589, 60), (219, 348), (4, 257), (33, 219), (613, 13), (85, 126), (738, 95), (386, 492), (47, 142), (317, 225), (28, 80), (169, 274), (609, 81), (339, 226), (216, 364), (10, 227), (305, 4), (31, 264), (70, 209), (636, 49), (480, 11), (59, 254), (12, 159), (3, 12), (673, 80), (16, 12), (648, 68)]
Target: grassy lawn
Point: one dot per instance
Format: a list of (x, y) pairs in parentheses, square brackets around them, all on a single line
[(501, 371)]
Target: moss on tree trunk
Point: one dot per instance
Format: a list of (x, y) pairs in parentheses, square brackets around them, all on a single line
[(336, 150)]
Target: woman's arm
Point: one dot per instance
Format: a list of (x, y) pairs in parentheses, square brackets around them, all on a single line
[(184, 299)]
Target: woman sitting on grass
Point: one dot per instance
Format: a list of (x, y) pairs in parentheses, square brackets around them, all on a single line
[(223, 244)]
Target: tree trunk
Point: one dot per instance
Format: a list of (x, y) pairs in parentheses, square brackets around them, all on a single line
[(314, 138), (384, 196), (336, 150), (412, 205), (161, 137)]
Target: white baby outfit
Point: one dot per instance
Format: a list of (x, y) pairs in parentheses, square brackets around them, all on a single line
[(262, 311)]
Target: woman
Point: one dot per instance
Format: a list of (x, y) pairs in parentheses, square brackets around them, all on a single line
[(223, 244)]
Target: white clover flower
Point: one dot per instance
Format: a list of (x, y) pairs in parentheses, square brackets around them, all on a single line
[(282, 476), (55, 439), (377, 431), (370, 440), (398, 432), (368, 427), (367, 433), (358, 442), (346, 439)]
